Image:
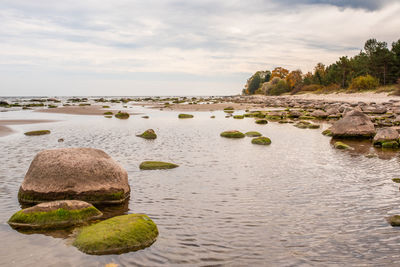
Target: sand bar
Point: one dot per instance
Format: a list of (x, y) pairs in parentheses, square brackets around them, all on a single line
[(4, 130)]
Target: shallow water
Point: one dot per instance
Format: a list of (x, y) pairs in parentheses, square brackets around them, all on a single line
[(296, 202)]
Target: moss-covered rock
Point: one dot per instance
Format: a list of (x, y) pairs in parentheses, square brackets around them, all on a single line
[(232, 134), (105, 106), (212, 117), (253, 134), (39, 132), (261, 141), (261, 121), (394, 220), (108, 116), (238, 117), (157, 165), (145, 117), (229, 111), (55, 214), (229, 108), (390, 144), (341, 145), (396, 180), (306, 125), (117, 235), (148, 134), (327, 132), (108, 113), (185, 116), (122, 115)]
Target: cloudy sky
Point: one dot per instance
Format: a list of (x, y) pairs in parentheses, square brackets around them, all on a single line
[(165, 47)]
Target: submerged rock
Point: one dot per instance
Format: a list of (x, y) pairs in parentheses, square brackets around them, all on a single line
[(355, 124), (117, 235), (122, 115), (40, 132), (394, 220), (232, 134), (185, 116), (341, 145), (261, 121), (55, 214), (148, 134), (74, 173), (261, 141), (157, 165), (396, 180), (327, 132), (238, 117), (253, 134)]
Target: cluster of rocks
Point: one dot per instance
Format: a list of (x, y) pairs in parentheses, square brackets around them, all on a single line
[(65, 184)]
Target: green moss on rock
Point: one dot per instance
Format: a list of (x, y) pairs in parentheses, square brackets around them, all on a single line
[(56, 214), (396, 180), (261, 141), (253, 134), (229, 108), (117, 235), (148, 134), (122, 115), (238, 117), (185, 116), (40, 132), (232, 134), (394, 220), (261, 121), (157, 165), (327, 132), (390, 144), (108, 113), (341, 145)]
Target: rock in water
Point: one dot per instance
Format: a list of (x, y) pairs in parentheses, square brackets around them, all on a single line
[(394, 220), (157, 165), (74, 173), (232, 134), (148, 134), (355, 124), (117, 235), (384, 135), (55, 214)]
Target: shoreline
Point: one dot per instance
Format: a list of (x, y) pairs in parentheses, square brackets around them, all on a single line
[(5, 130)]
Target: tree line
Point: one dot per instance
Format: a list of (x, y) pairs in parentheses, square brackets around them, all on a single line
[(376, 65)]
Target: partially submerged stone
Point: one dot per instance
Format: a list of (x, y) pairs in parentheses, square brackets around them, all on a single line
[(157, 165), (386, 135), (261, 141), (148, 134), (306, 125), (253, 134), (122, 115), (327, 132), (39, 132), (394, 220), (396, 180), (238, 117), (232, 134), (390, 144), (108, 113), (86, 174), (55, 214), (261, 121), (341, 145), (185, 116), (355, 124), (117, 235)]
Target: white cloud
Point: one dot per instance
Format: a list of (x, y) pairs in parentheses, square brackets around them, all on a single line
[(208, 39)]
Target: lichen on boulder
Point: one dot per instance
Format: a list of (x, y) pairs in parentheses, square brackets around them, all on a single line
[(74, 173), (117, 235), (261, 141), (148, 134), (39, 132), (232, 134), (157, 165), (55, 214)]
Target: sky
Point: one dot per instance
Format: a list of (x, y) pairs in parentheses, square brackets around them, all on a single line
[(165, 47)]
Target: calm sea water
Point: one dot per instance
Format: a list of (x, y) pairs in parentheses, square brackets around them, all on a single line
[(296, 202)]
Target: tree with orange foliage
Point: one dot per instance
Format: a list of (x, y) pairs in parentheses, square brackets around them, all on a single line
[(294, 78), (279, 72)]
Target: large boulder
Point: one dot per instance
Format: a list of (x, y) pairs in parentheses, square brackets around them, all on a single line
[(74, 173), (355, 124), (54, 214)]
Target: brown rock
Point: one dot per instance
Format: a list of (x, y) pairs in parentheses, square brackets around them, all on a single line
[(386, 135), (74, 173), (354, 124)]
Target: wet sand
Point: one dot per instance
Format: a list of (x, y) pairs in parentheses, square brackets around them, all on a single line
[(77, 110), (4, 130)]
